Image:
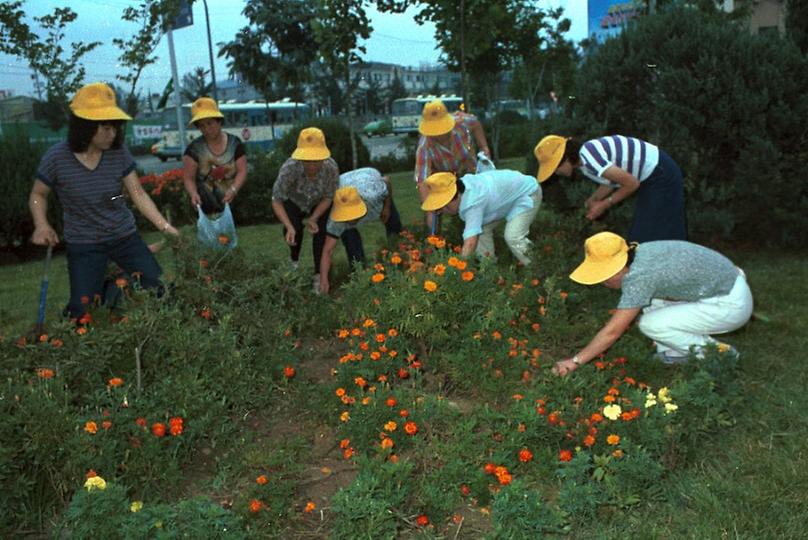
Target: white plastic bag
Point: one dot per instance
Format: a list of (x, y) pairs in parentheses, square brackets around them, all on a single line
[(219, 233), (484, 163)]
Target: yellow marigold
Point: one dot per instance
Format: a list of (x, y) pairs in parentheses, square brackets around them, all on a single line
[(664, 394), (390, 426), (612, 412), (430, 286), (136, 506), (366, 400), (395, 259), (95, 482), (345, 416), (613, 439), (369, 323), (377, 278), (467, 276), (670, 407)]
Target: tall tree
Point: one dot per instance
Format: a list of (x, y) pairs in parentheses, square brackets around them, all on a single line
[(137, 52), (62, 71), (395, 90), (195, 85), (338, 27)]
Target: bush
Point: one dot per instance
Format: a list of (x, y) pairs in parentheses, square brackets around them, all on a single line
[(728, 106)]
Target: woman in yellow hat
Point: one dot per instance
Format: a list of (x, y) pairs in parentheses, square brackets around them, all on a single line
[(446, 144), (305, 187), (620, 166), (686, 293), (89, 173), (364, 195), (214, 166)]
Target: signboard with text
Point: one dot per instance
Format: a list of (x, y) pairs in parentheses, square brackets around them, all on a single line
[(607, 18), (185, 16)]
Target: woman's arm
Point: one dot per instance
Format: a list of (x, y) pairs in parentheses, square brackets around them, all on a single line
[(145, 205), (44, 235), (628, 185), (283, 217), (325, 263), (238, 181), (318, 211), (479, 136), (604, 339), (469, 245), (189, 168), (599, 194)]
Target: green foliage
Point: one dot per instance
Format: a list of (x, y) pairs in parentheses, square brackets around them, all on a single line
[(726, 104), (521, 513)]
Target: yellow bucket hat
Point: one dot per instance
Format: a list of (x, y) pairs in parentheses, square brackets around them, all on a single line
[(96, 101), (442, 188), (348, 205), (311, 146), (202, 108), (435, 119), (549, 152), (605, 254)]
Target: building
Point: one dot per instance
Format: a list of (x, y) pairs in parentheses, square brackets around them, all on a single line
[(416, 80), (766, 16), (17, 109)]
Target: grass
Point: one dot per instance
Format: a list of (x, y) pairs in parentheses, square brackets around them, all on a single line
[(750, 480)]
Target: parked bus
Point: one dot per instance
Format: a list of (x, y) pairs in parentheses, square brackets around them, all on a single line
[(256, 123), (406, 112)]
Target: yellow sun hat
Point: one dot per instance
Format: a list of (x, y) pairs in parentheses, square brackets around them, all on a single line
[(549, 152), (348, 205), (96, 101), (605, 254), (202, 108), (311, 145), (435, 119), (442, 188)]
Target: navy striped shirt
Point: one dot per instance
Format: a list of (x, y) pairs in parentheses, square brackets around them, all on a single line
[(634, 156), (93, 204)]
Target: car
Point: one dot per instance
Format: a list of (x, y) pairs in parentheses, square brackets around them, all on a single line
[(378, 127)]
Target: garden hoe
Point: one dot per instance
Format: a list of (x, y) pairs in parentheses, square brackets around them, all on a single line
[(39, 328)]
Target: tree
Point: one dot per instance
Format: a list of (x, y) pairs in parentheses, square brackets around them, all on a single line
[(194, 85), (63, 74), (338, 27), (274, 51), (797, 23), (137, 52), (395, 91)]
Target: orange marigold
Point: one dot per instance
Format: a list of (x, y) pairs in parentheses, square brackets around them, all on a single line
[(289, 372), (467, 276), (565, 455), (91, 427), (411, 428), (613, 439), (310, 506), (422, 521), (589, 440), (387, 443), (395, 259), (115, 381), (158, 429), (525, 455), (430, 286), (377, 277), (390, 426), (256, 506), (106, 424), (45, 373), (261, 480)]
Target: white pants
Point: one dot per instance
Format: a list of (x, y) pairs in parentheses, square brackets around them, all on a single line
[(516, 232), (676, 326)]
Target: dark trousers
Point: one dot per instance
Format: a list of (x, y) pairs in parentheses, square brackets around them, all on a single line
[(87, 268), (659, 213), (352, 240), (296, 216)]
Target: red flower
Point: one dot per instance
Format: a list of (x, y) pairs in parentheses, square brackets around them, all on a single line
[(422, 520), (261, 480), (256, 506), (411, 428), (158, 429), (391, 402), (565, 455), (403, 373), (489, 468), (141, 422), (289, 372), (525, 455), (465, 490)]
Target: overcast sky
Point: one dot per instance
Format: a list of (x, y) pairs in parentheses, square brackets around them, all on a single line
[(396, 39)]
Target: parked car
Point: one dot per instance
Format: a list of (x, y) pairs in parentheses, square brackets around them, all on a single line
[(378, 127)]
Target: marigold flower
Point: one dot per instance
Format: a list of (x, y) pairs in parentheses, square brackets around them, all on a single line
[(565, 455), (310, 506), (467, 276), (489, 468), (613, 439), (377, 277), (345, 416), (403, 413), (340, 392), (360, 382), (553, 418), (390, 426), (136, 506), (395, 259), (95, 482), (261, 480), (411, 428), (403, 373), (612, 412), (617, 453), (670, 407), (430, 286), (45, 373), (518, 397), (589, 440), (609, 399), (348, 453), (392, 458), (664, 395), (289, 372), (175, 420), (106, 424), (343, 333), (175, 429), (356, 332), (369, 323), (141, 422), (525, 455), (81, 330), (613, 391), (256, 506), (422, 521), (461, 265), (115, 381), (504, 478), (91, 427), (387, 443), (158, 429)]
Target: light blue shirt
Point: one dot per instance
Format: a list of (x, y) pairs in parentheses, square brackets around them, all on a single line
[(494, 195), (373, 190)]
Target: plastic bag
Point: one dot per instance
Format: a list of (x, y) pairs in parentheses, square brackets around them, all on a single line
[(484, 163), (219, 233)]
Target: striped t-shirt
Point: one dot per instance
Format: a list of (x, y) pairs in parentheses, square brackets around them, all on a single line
[(93, 204), (635, 156)]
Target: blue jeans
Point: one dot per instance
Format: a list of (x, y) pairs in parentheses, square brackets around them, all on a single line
[(87, 268), (352, 240)]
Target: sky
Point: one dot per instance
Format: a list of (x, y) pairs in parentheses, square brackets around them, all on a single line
[(396, 39)]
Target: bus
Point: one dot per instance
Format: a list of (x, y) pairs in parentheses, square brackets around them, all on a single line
[(406, 112), (257, 123)]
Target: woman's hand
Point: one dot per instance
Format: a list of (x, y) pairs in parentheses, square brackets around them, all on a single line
[(290, 236), (597, 208), (196, 200), (311, 224), (170, 229), (229, 195), (44, 235), (564, 367)]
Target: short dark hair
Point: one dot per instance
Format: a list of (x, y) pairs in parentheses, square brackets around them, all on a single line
[(81, 131), (571, 150), (220, 120), (461, 187)]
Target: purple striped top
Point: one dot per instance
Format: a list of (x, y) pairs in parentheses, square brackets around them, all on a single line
[(634, 156)]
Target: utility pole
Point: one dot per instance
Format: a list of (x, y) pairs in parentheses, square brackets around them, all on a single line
[(210, 52)]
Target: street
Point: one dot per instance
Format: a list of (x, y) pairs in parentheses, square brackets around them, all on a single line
[(378, 146)]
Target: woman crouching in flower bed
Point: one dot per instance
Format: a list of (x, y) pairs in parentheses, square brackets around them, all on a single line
[(88, 172), (685, 291)]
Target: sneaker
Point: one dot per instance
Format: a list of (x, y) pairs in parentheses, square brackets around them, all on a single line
[(294, 265), (671, 359), (316, 283)]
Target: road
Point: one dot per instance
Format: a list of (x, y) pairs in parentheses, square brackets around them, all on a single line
[(378, 146)]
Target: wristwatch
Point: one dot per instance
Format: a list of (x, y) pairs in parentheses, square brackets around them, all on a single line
[(576, 360)]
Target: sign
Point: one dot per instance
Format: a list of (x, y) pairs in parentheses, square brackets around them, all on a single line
[(146, 132), (185, 16), (607, 18)]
